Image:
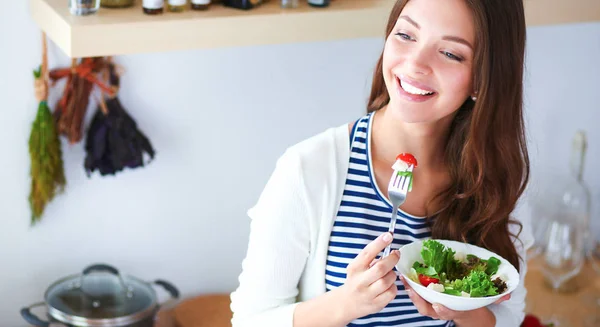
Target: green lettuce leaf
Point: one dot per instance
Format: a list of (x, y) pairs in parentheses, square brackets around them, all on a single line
[(472, 276), (425, 270), (477, 284), (441, 258), (435, 255), (492, 266)]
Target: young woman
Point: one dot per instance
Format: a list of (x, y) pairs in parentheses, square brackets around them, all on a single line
[(447, 89)]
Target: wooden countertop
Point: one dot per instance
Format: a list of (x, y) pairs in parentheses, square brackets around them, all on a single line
[(542, 301), (540, 298)]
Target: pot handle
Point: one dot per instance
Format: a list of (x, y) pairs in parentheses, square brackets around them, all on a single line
[(100, 267), (33, 319), (168, 287)]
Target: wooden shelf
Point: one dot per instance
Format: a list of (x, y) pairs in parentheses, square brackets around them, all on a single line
[(554, 12), (129, 30)]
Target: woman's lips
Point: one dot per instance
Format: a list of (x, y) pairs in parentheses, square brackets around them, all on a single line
[(414, 91)]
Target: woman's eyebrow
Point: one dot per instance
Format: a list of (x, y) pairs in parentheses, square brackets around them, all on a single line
[(446, 37), (410, 20), (457, 40)]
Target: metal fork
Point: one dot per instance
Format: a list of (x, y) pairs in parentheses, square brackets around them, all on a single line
[(397, 191)]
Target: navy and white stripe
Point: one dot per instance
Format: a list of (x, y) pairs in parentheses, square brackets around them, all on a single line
[(364, 214)]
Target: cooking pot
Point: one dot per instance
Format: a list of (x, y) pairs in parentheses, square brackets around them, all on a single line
[(100, 296)]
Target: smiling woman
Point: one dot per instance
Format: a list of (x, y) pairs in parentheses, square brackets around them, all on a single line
[(428, 60), (447, 89)]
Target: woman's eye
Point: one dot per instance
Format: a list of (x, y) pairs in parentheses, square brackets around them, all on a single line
[(405, 36), (452, 56)]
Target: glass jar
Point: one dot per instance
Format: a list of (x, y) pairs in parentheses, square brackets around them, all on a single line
[(83, 7)]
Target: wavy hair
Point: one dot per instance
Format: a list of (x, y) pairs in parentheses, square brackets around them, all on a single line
[(486, 151)]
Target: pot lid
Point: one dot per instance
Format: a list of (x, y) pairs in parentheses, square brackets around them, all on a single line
[(100, 296)]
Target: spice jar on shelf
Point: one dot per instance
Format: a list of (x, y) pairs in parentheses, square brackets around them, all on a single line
[(318, 3), (83, 7), (200, 4), (289, 3), (242, 4), (153, 7), (176, 5), (116, 3)]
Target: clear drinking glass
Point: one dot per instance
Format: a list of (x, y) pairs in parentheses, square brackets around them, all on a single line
[(563, 255), (83, 7)]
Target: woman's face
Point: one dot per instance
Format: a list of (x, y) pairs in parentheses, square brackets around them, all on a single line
[(428, 60)]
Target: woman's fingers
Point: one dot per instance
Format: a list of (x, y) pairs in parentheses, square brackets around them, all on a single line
[(381, 268), (422, 306), (502, 299), (363, 260)]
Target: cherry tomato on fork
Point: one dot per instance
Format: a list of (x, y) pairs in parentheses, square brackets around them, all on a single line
[(408, 158)]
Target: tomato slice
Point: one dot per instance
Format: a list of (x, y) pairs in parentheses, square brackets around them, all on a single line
[(408, 158), (531, 321), (426, 280)]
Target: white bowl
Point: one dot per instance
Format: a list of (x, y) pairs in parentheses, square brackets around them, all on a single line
[(412, 252)]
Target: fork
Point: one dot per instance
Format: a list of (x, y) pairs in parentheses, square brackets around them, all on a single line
[(397, 190)]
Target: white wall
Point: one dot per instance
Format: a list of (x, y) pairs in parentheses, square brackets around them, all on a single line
[(218, 120), (562, 96)]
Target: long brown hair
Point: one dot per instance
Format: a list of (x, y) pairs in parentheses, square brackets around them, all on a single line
[(486, 152)]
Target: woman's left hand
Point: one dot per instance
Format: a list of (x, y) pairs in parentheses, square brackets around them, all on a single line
[(438, 311)]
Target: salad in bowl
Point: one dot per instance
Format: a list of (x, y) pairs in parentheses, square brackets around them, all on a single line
[(460, 276)]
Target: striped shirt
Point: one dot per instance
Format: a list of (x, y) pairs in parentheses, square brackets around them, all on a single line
[(364, 214)]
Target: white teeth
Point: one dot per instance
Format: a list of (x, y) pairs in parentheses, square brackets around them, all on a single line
[(413, 90)]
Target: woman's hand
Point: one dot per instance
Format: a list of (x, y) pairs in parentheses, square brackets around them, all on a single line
[(479, 317), (370, 284)]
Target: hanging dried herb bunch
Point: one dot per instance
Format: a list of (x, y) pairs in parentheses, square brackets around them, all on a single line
[(113, 140), (72, 106), (47, 170)]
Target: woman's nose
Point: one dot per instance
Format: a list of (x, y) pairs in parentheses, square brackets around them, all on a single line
[(418, 62)]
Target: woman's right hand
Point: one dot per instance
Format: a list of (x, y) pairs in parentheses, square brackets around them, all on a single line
[(370, 284)]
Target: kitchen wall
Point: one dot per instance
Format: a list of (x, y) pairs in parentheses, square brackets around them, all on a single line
[(218, 120)]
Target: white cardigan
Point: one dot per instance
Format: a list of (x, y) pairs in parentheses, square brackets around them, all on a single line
[(289, 234)]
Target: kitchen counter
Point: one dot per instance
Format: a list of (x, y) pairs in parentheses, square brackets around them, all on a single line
[(540, 301)]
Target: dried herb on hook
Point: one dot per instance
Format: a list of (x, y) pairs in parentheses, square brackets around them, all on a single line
[(113, 140), (47, 171), (72, 107)]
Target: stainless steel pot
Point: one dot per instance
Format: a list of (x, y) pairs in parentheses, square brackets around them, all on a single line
[(99, 297)]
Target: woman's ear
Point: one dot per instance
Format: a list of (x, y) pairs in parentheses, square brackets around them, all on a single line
[(474, 96)]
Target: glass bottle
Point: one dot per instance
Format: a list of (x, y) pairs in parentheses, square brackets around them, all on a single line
[(242, 4), (574, 199), (83, 7), (200, 4), (153, 7), (176, 5), (577, 195)]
